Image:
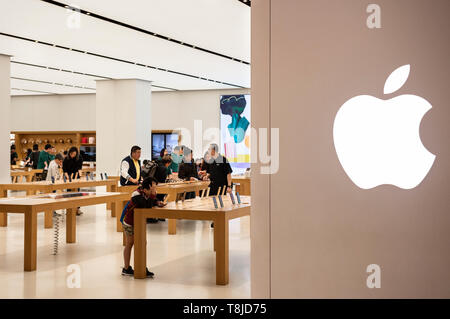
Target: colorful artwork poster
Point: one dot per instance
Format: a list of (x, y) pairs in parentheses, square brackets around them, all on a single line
[(235, 130)]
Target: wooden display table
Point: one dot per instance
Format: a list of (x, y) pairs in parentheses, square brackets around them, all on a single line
[(33, 188), (86, 170), (244, 187), (32, 205), (18, 175), (193, 209), (172, 190)]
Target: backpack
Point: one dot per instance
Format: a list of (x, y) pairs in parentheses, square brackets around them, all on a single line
[(148, 169)]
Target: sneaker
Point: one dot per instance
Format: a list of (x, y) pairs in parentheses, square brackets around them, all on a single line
[(128, 272), (149, 273)]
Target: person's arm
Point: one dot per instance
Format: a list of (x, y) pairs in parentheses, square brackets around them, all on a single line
[(228, 171), (229, 182), (65, 168), (124, 167), (47, 160)]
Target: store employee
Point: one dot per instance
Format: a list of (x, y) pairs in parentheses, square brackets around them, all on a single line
[(130, 168), (218, 170)]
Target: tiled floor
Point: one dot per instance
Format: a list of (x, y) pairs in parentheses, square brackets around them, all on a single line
[(184, 264)]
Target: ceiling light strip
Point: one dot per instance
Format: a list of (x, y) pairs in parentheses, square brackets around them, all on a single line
[(80, 73), (53, 83), (17, 89), (121, 60), (94, 15)]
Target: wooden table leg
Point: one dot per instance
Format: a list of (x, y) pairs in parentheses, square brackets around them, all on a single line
[(30, 242), (222, 250), (48, 219), (140, 246), (215, 239), (3, 215), (108, 205), (71, 225), (172, 223), (118, 206)]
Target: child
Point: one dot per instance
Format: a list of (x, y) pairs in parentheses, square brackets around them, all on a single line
[(143, 197)]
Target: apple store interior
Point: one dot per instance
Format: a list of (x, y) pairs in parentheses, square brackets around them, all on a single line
[(224, 149)]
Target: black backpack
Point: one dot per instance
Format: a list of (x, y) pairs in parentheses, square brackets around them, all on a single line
[(148, 168)]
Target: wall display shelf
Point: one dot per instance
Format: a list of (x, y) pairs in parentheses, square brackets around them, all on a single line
[(61, 140)]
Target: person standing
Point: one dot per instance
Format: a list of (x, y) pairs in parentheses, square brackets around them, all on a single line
[(188, 170), (162, 153), (34, 157), (72, 165), (218, 170), (161, 173), (14, 156), (44, 157), (130, 168), (177, 157)]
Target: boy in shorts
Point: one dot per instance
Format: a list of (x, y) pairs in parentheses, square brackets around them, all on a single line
[(143, 197)]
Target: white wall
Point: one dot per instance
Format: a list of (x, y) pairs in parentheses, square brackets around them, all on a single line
[(53, 112), (170, 110)]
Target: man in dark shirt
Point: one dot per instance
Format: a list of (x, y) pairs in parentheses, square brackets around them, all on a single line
[(14, 156), (188, 170), (34, 157), (218, 170)]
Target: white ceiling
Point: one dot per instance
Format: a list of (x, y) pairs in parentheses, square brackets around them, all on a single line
[(221, 26)]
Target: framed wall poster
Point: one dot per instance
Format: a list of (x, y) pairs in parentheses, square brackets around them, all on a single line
[(235, 130)]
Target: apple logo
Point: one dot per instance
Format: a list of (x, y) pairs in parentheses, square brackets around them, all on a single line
[(378, 141)]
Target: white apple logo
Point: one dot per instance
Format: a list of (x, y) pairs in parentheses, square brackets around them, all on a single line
[(378, 141)]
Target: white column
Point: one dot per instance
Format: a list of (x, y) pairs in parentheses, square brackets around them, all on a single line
[(123, 119), (5, 114)]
